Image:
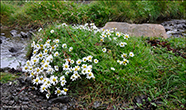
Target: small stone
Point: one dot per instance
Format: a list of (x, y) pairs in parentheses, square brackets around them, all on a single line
[(62, 99), (26, 99), (2, 34), (64, 107), (25, 103), (38, 100), (5, 102), (55, 108), (49, 108), (11, 102)]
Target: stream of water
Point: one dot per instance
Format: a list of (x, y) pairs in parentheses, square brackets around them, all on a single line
[(12, 50)]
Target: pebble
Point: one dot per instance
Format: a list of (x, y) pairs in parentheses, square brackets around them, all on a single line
[(11, 102), (25, 103), (26, 99)]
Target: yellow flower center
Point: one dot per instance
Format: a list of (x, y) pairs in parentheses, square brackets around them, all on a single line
[(54, 80), (32, 73), (37, 70), (43, 88), (26, 68), (58, 91), (90, 74), (46, 65), (66, 66), (65, 90), (75, 69), (36, 80), (41, 78)]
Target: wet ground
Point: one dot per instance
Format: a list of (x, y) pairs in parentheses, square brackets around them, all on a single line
[(13, 49)]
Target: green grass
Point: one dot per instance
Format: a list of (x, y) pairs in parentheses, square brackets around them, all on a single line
[(5, 77), (99, 12), (153, 72)]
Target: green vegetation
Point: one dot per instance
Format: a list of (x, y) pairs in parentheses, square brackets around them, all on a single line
[(5, 77), (153, 72), (99, 12)]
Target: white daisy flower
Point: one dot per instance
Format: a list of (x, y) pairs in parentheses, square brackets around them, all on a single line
[(45, 51), (118, 34), (40, 55), (90, 75), (71, 61), (83, 71), (34, 52), (104, 50), (65, 91), (112, 68), (47, 96), (78, 62), (114, 29), (89, 58), (84, 59), (25, 68), (53, 80), (64, 46), (56, 41), (39, 29), (56, 68), (36, 81), (43, 88), (102, 39), (64, 24), (52, 31), (131, 54), (41, 80), (122, 44), (115, 38), (67, 72), (73, 77), (63, 83), (76, 68), (56, 54), (126, 36), (33, 44), (58, 91), (62, 78), (65, 66), (50, 70), (46, 66), (124, 55), (84, 66), (70, 49), (32, 74), (96, 61)]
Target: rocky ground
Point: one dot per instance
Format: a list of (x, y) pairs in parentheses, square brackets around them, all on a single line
[(18, 95)]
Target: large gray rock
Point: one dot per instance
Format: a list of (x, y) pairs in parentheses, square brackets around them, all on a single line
[(148, 30)]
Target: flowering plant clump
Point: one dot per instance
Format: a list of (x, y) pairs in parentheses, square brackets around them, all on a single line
[(57, 61)]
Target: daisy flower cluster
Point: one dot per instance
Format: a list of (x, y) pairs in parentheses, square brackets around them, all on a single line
[(51, 70), (113, 35), (46, 75)]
